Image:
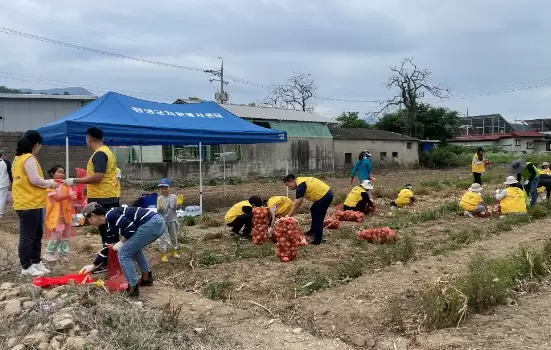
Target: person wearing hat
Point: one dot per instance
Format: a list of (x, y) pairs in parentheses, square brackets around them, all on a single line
[(362, 168), (478, 165), (545, 181), (167, 204), (471, 202), (240, 216), (137, 227), (512, 200), (360, 199), (530, 174), (405, 197), (5, 180)]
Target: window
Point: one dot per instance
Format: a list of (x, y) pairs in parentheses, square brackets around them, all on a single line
[(383, 157), (408, 145), (394, 154), (529, 145), (518, 143), (348, 158)]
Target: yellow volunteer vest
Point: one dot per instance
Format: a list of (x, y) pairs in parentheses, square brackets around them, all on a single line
[(546, 171), (404, 197), (235, 211), (315, 189), (54, 207), (26, 196), (514, 202), (470, 201), (477, 168), (283, 205), (354, 196), (106, 187), (118, 183)]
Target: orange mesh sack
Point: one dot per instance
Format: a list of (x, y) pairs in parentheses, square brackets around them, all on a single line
[(379, 235), (350, 215), (289, 238), (260, 225), (331, 223), (114, 279)]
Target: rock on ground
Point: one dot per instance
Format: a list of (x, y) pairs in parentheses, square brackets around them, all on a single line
[(75, 343), (12, 308), (34, 338)]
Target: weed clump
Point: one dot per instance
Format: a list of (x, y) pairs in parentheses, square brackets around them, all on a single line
[(218, 290), (404, 251)]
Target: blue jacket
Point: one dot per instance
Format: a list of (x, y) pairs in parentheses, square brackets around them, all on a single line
[(363, 168)]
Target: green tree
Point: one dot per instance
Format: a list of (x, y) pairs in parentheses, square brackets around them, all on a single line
[(66, 93), (7, 90), (352, 120)]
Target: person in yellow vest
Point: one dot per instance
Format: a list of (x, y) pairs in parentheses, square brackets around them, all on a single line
[(471, 202), (478, 165), (512, 200), (405, 197), (100, 178), (59, 217), (317, 192), (29, 200), (240, 216), (360, 199), (279, 206), (545, 181), (530, 174)]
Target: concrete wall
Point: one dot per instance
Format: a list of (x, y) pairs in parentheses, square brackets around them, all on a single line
[(407, 156), (508, 144), (24, 114)]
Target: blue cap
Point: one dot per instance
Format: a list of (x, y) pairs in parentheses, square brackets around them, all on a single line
[(165, 183)]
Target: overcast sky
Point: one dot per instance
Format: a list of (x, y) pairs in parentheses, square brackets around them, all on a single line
[(472, 46)]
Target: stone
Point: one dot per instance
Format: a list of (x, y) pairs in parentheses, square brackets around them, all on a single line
[(358, 340), (55, 343), (12, 293), (19, 347), (297, 330), (7, 285), (93, 337), (3, 295), (75, 343), (11, 342), (12, 308), (64, 324), (43, 346), (35, 338), (51, 294), (31, 290), (28, 304), (98, 348), (370, 343), (199, 330)]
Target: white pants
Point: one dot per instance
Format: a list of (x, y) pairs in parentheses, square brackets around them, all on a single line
[(3, 198)]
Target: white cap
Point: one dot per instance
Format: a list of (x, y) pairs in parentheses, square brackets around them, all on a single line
[(475, 188), (366, 184), (511, 180)]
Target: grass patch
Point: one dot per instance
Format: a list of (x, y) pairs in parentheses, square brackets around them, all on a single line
[(421, 191), (208, 221), (385, 193), (467, 236), (404, 250), (218, 290), (250, 251), (339, 198), (309, 282), (403, 221), (209, 257), (189, 220)]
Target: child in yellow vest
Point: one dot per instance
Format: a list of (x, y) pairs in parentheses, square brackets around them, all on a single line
[(542, 190), (471, 202), (59, 217), (405, 197), (513, 199)]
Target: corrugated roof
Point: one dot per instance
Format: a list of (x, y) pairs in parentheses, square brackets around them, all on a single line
[(49, 97), (302, 129), (270, 113), (494, 137), (367, 134)]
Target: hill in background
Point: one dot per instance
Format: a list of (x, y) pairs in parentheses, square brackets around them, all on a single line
[(55, 91)]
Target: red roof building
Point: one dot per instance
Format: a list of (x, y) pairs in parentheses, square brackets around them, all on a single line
[(515, 141)]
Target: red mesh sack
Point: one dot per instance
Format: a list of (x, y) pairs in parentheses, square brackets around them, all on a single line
[(289, 238), (379, 235), (350, 215), (114, 279), (331, 223), (45, 282), (260, 225)]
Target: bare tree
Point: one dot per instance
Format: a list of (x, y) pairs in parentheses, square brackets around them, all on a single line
[(411, 83), (296, 93)]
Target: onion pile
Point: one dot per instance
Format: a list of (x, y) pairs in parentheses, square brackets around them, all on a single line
[(350, 215), (379, 235), (289, 238), (260, 226), (331, 223)]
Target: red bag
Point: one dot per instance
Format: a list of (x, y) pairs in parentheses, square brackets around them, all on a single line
[(331, 223), (379, 235), (289, 238), (350, 215), (114, 279), (260, 226), (45, 282), (79, 189)]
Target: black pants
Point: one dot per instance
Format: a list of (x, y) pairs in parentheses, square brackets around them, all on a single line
[(103, 228), (362, 204), (30, 236), (318, 211), (545, 181), (477, 178), (244, 221)]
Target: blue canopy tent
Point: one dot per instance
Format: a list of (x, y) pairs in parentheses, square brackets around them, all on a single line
[(128, 121)]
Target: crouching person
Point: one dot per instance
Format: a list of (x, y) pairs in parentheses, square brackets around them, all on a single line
[(240, 216), (471, 202), (512, 200), (405, 197), (137, 227), (360, 198)]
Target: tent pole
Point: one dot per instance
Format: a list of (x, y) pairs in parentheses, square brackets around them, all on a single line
[(224, 162), (141, 165), (200, 181), (67, 171)]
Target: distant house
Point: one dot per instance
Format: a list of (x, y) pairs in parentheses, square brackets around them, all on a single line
[(383, 145), (515, 141)]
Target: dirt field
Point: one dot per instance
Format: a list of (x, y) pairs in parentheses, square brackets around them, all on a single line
[(346, 294)]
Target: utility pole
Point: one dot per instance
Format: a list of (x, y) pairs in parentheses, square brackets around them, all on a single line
[(221, 96)]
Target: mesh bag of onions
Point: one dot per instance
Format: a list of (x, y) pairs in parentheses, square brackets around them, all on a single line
[(260, 225), (379, 235), (331, 223), (350, 215), (289, 238)]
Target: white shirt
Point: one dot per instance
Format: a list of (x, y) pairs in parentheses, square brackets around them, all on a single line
[(4, 177)]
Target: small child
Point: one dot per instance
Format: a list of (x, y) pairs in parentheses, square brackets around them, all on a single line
[(167, 204), (59, 217), (405, 197), (471, 202)]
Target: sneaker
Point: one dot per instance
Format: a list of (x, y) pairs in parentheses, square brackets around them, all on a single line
[(65, 259), (40, 267), (146, 282), (132, 292), (164, 258), (323, 241), (50, 257), (175, 255), (32, 271)]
